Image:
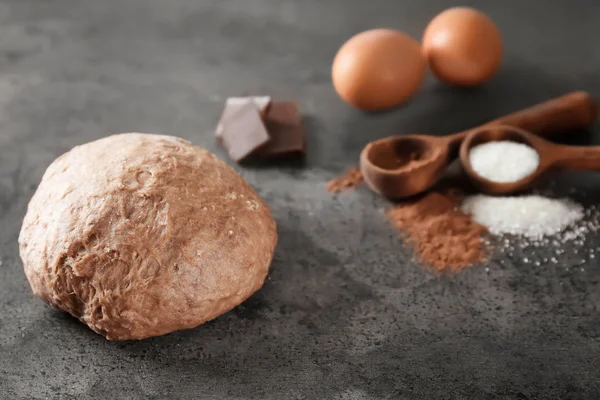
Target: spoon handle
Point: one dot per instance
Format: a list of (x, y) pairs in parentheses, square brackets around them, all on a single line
[(576, 158), (575, 110)]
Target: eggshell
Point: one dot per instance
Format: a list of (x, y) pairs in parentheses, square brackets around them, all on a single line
[(378, 69), (463, 46)]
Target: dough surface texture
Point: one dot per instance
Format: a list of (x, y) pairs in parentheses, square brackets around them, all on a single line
[(139, 235)]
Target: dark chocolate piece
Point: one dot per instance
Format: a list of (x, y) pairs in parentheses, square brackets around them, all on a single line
[(241, 130), (285, 131)]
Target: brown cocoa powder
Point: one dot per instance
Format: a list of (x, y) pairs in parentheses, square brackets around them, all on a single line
[(349, 180), (440, 234)]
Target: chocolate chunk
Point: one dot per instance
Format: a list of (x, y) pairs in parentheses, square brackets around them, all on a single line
[(262, 102), (228, 113), (253, 127), (285, 131), (233, 104), (241, 130)]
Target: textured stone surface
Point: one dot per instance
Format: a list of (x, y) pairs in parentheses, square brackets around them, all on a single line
[(345, 313)]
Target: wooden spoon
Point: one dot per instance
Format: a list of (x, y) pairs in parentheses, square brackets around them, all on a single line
[(552, 157), (403, 166)]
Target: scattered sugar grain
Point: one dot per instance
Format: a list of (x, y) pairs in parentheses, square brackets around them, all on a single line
[(532, 216), (489, 160), (574, 240)]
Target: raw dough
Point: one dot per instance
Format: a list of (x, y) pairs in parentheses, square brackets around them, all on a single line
[(139, 235)]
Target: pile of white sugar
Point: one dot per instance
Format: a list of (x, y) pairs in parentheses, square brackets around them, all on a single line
[(504, 161), (532, 216)]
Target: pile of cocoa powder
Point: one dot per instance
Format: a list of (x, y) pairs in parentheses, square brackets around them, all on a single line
[(441, 235), (433, 225), (349, 180)]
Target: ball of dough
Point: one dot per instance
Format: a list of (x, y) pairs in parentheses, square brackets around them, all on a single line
[(139, 235)]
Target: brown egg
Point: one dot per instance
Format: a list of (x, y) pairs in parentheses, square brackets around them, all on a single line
[(378, 69), (463, 46)]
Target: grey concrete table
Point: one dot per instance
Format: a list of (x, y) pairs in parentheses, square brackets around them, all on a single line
[(346, 313)]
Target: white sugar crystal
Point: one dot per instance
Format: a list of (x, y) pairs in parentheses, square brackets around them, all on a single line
[(531, 216), (504, 161)]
